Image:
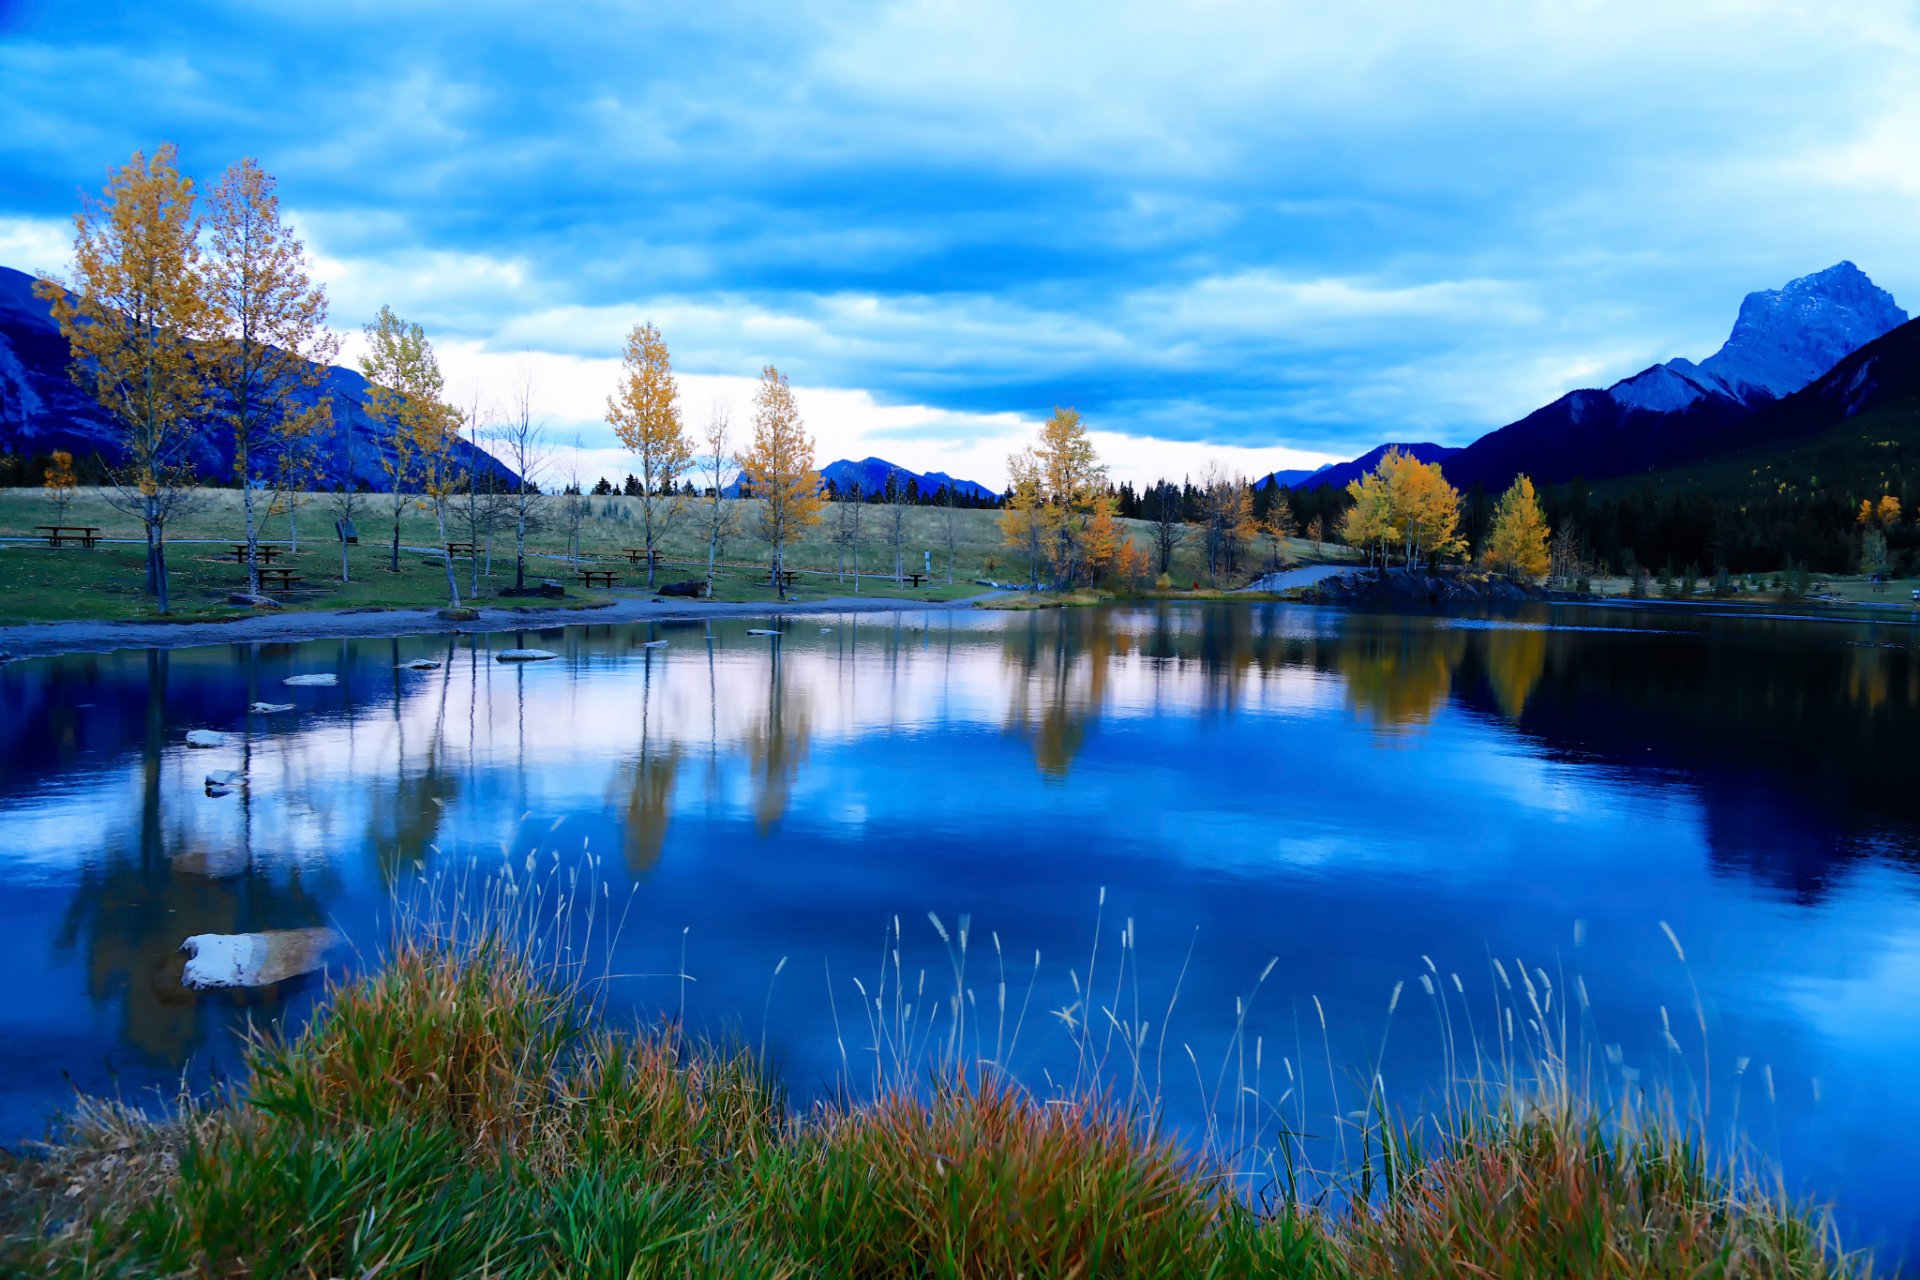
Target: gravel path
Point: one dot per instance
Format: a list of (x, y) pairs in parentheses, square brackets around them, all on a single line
[(43, 638), (1305, 576)]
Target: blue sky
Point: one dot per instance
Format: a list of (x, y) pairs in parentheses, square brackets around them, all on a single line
[(1264, 233)]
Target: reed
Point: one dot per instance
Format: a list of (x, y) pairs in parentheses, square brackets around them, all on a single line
[(462, 1109)]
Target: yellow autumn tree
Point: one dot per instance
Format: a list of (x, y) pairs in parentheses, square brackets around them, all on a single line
[(131, 316), (644, 412), (1024, 522), (1517, 544), (403, 398), (778, 468), (1104, 539), (1425, 509), (1368, 521), (1071, 476), (269, 347), (60, 484)]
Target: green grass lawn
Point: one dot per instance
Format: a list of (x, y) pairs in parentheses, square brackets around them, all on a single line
[(39, 583)]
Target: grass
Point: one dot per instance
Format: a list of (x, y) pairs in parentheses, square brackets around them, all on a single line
[(39, 583), (462, 1110)]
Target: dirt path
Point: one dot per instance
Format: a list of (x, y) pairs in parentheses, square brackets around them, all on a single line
[(43, 638), (1305, 576)]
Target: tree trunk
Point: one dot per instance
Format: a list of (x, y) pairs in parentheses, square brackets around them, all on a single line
[(344, 579), (520, 550), (394, 565), (253, 537), (160, 567), (440, 526)]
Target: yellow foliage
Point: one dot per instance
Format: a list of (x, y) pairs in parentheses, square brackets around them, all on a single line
[(778, 467), (1518, 542), (645, 414)]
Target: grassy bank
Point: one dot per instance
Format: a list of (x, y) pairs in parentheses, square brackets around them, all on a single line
[(40, 583), (463, 1112)]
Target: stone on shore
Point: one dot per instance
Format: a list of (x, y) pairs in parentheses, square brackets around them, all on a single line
[(314, 680), (269, 708), (216, 960), (206, 738), (523, 655), (761, 631), (692, 588), (420, 664)]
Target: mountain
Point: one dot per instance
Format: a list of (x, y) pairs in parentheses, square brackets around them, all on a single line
[(1289, 479), (1338, 474), (871, 475), (42, 409), (1678, 412)]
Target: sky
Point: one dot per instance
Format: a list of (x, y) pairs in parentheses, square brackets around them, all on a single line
[(1268, 234)]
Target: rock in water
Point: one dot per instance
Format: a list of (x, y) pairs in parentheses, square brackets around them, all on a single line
[(420, 664), (225, 778), (761, 631), (523, 655), (252, 959), (269, 708), (320, 680), (654, 644), (205, 738)]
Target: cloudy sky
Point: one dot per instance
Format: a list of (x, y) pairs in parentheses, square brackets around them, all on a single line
[(1269, 233)]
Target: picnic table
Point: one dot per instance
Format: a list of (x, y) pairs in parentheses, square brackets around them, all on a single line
[(638, 555), (279, 578), (84, 534), (597, 577), (266, 553), (467, 549), (915, 579)]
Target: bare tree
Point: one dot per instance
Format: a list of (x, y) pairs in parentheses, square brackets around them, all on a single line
[(345, 499), (716, 465), (896, 522), (949, 528), (1169, 526), (480, 509), (574, 506), (523, 441), (848, 510)]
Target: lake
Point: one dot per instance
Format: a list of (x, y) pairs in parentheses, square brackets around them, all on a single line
[(1191, 793)]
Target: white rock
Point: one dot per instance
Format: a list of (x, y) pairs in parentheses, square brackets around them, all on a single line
[(824, 630), (252, 959), (419, 664), (761, 631), (523, 655), (224, 779), (318, 680), (205, 738), (270, 708), (654, 644)]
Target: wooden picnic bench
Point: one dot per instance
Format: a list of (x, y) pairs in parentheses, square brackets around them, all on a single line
[(638, 555), (267, 553), (84, 534), (467, 549), (598, 577), (280, 578), (915, 579)]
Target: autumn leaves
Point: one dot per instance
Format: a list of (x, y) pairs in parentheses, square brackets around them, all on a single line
[(1406, 506)]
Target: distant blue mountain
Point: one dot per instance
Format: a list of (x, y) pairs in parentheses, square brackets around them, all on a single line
[(42, 409), (1289, 479), (871, 475), (1339, 473)]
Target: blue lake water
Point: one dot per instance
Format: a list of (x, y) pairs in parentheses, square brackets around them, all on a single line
[(1339, 794)]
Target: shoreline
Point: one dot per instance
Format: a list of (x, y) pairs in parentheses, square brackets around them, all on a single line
[(54, 639)]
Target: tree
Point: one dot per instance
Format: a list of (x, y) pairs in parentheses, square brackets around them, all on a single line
[(949, 526), (437, 446), (1425, 508), (1071, 475), (1517, 546), (645, 416), (60, 484), (897, 498), (1278, 527), (404, 399), (779, 466), (269, 347), (1169, 523), (1025, 523), (1104, 540), (716, 464), (1229, 518), (345, 500), (131, 318), (849, 510), (1368, 522), (523, 440)]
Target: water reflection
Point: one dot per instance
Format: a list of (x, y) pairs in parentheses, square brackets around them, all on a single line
[(1342, 789)]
